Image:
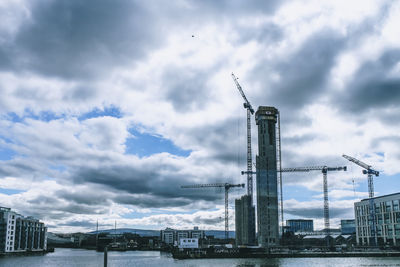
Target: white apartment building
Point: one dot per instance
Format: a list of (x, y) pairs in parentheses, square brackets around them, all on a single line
[(19, 233), (387, 219), (172, 237)]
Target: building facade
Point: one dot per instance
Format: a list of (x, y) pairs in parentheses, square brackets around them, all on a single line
[(300, 225), (348, 227), (387, 218), (19, 233), (266, 185), (172, 236), (189, 243), (245, 231)]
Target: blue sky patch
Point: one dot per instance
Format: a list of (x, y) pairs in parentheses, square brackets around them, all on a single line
[(42, 116), (10, 191), (110, 111), (299, 193), (6, 154), (144, 144)]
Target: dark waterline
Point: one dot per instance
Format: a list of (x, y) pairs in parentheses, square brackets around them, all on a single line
[(64, 257)]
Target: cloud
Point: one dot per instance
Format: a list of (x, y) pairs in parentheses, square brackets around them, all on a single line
[(332, 69), (71, 39), (375, 85)]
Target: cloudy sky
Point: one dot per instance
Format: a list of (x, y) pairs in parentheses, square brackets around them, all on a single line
[(108, 107)]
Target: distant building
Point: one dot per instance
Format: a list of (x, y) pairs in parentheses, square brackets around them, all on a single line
[(299, 225), (266, 184), (189, 243), (387, 214), (245, 231), (348, 227), (332, 231), (19, 233), (172, 236), (168, 236)]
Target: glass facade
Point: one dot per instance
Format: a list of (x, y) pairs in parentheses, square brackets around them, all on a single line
[(387, 217)]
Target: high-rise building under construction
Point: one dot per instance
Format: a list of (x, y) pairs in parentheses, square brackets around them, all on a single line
[(245, 221), (266, 185)]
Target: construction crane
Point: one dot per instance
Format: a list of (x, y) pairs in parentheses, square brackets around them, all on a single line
[(227, 186), (324, 170), (250, 111), (370, 172)]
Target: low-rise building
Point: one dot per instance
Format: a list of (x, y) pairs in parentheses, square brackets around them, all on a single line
[(172, 236), (19, 233), (189, 243), (387, 219), (348, 227), (300, 225)]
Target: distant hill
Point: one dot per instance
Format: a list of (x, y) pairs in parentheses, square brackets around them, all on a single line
[(216, 233)]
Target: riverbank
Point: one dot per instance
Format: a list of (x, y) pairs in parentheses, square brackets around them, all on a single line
[(66, 257), (259, 253), (26, 253)]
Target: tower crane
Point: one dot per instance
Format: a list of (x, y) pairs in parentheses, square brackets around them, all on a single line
[(227, 186), (324, 170), (250, 111), (370, 172)]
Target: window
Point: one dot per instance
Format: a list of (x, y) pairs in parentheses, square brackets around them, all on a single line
[(397, 229), (390, 230), (379, 218), (388, 206), (395, 205), (387, 218)]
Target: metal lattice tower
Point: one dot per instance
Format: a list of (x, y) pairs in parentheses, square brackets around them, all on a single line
[(370, 172), (250, 111), (326, 201), (227, 186), (279, 166), (324, 170)]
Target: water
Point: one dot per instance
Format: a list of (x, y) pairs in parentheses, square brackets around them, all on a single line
[(64, 257)]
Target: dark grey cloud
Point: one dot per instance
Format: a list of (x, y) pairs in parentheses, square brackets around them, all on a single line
[(83, 197), (82, 223), (311, 212), (82, 40), (152, 201), (267, 34), (303, 74), (147, 186), (20, 167), (54, 208), (372, 88), (186, 88), (299, 139), (219, 138), (75, 39), (235, 8)]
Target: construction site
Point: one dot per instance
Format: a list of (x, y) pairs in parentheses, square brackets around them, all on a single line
[(259, 214)]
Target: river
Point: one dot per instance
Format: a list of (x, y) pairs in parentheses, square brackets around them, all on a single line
[(65, 257)]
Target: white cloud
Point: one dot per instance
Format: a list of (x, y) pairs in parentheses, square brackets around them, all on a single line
[(167, 83)]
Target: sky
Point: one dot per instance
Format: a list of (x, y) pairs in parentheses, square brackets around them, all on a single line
[(108, 107)]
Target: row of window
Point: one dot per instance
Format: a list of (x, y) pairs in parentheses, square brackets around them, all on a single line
[(189, 240), (387, 206), (385, 230), (385, 218)]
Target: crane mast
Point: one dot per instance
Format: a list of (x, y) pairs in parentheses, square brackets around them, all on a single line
[(227, 186), (370, 172), (250, 111), (324, 170)]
